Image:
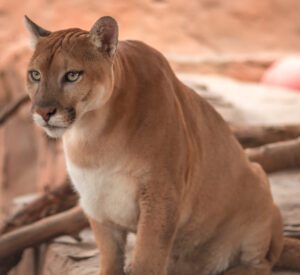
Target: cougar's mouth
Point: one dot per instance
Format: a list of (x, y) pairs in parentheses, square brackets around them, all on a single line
[(58, 123), (55, 131), (52, 127)]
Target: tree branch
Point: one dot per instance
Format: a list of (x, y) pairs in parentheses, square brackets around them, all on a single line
[(12, 108), (253, 136), (51, 202), (70, 222), (276, 156)]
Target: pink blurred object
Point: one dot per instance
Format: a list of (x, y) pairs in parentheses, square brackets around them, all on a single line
[(284, 73)]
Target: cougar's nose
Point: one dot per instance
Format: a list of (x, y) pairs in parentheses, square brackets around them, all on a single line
[(46, 112)]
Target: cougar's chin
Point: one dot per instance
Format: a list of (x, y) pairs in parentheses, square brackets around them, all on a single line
[(55, 132)]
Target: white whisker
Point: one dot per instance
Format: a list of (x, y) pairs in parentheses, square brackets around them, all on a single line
[(58, 121), (39, 120)]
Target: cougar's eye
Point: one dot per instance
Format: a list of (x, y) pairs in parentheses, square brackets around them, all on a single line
[(34, 76), (72, 76)]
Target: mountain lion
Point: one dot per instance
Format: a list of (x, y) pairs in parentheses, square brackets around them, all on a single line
[(148, 155)]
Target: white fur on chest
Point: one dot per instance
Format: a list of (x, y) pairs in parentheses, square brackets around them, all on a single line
[(106, 195)]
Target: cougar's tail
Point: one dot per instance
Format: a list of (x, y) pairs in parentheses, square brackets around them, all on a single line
[(290, 255)]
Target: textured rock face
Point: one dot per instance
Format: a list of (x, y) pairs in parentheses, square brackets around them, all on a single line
[(205, 26)]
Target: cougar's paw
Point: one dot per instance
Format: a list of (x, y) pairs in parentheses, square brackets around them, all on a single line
[(127, 268)]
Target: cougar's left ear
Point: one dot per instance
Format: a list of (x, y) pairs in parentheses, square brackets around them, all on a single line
[(104, 35), (35, 31)]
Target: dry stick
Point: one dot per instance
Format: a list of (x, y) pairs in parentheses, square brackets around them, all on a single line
[(51, 202), (12, 108), (277, 156), (253, 136), (69, 222)]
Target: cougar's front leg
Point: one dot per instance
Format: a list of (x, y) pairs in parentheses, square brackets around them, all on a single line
[(155, 234), (111, 243)]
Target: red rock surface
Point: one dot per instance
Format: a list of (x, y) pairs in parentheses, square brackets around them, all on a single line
[(175, 26)]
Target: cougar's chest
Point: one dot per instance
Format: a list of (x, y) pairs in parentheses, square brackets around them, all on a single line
[(105, 194)]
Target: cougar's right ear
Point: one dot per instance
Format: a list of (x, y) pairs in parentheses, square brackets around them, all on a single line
[(35, 31), (104, 35)]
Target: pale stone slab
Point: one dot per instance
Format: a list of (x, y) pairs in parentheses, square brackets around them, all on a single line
[(247, 103)]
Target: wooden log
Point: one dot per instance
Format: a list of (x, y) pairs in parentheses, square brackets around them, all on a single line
[(51, 202), (253, 136), (277, 156), (12, 108), (70, 222)]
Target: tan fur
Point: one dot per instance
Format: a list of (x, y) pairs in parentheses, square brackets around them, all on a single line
[(149, 155)]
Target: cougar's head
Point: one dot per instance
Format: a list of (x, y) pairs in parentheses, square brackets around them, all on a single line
[(70, 73)]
